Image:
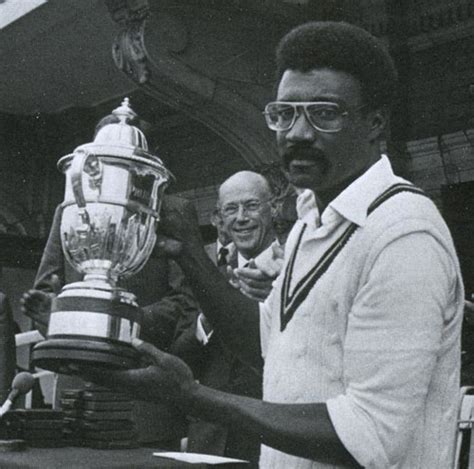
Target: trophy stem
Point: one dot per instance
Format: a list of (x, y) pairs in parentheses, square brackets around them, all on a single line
[(96, 277)]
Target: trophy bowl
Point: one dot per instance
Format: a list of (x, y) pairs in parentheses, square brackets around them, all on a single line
[(114, 189)]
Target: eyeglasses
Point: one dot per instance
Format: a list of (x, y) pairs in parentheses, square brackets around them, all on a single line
[(251, 207), (323, 116)]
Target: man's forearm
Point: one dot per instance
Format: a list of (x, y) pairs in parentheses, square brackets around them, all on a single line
[(304, 430), (231, 313), (52, 260)]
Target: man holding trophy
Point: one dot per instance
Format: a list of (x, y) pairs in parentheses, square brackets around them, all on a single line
[(361, 331)]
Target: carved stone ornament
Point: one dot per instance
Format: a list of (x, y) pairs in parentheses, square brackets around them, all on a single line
[(125, 11), (128, 49), (128, 52)]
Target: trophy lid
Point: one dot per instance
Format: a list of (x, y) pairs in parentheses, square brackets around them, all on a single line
[(117, 137), (121, 131)]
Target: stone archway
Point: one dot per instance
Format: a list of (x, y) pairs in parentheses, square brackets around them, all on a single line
[(170, 51)]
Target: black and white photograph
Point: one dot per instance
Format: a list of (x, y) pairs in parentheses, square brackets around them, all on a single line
[(237, 234)]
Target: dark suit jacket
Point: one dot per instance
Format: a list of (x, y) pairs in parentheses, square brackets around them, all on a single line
[(211, 251), (215, 366), (167, 302), (7, 347)]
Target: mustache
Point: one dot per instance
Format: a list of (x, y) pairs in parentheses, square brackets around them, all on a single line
[(302, 152)]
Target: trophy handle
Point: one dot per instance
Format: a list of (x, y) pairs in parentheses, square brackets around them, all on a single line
[(78, 167)]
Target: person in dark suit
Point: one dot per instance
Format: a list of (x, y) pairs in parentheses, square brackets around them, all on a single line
[(467, 344), (222, 248), (7, 347), (244, 213)]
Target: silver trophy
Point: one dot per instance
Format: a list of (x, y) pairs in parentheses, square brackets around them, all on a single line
[(114, 189)]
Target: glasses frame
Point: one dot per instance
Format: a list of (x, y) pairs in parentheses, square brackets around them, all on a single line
[(246, 210), (304, 105)]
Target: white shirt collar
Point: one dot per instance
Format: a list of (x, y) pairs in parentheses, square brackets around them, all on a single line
[(219, 245), (230, 246), (353, 202), (241, 261), (307, 208)]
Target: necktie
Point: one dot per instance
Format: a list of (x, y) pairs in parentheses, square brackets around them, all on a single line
[(222, 256)]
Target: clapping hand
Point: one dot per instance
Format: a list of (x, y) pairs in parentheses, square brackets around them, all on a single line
[(252, 281), (36, 304), (469, 312), (255, 280)]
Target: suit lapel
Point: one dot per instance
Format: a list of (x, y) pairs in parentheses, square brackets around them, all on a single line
[(211, 251)]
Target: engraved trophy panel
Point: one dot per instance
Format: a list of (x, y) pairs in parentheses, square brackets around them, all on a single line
[(114, 189), (115, 226)]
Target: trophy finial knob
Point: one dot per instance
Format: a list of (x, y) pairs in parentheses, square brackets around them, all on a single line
[(124, 112)]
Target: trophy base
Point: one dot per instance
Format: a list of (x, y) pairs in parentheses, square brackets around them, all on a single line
[(90, 326), (68, 356)]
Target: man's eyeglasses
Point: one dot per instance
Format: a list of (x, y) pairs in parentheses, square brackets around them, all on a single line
[(322, 115), (251, 207)]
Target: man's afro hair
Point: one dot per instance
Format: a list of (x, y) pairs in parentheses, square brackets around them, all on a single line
[(343, 47)]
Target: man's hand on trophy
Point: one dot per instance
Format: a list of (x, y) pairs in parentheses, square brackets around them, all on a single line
[(168, 246), (178, 226), (37, 304), (166, 378)]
